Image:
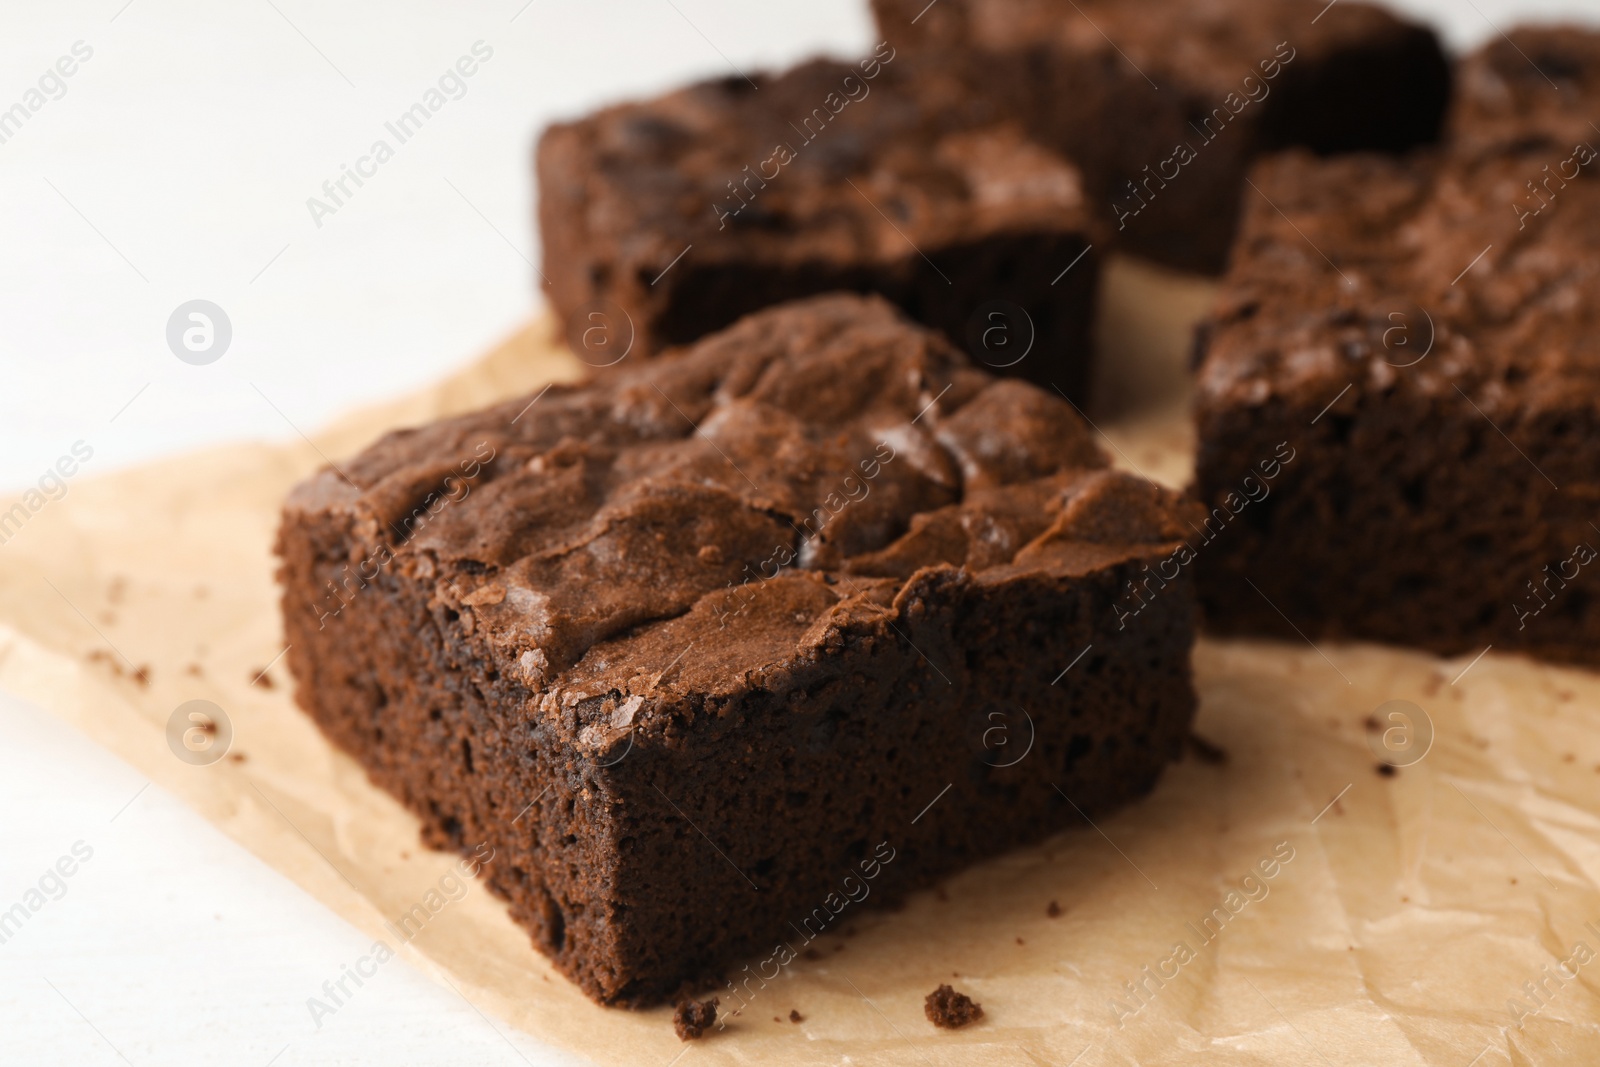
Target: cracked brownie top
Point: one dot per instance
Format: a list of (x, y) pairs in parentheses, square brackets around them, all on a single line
[(805, 471), (830, 161), (1470, 268)]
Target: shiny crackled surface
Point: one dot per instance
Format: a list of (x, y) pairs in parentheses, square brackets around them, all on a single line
[(1470, 267), (731, 167), (788, 475)]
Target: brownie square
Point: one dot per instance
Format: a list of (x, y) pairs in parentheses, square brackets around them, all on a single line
[(1422, 337), (704, 691), (1164, 103), (665, 220)]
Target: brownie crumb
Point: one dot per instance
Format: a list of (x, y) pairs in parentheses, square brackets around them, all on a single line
[(141, 674), (261, 679), (796, 1017), (1020, 941), (949, 1010), (237, 757), (1372, 724), (1387, 770), (690, 1019), (1210, 754), (1053, 910), (194, 670)]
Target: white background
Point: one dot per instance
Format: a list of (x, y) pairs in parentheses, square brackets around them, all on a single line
[(177, 166)]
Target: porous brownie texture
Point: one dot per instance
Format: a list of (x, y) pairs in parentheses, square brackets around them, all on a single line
[(665, 220), (716, 649), (1423, 336), (1164, 103)]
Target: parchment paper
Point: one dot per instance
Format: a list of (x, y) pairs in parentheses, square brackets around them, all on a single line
[(1401, 915)]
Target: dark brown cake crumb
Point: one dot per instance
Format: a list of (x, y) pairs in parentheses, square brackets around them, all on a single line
[(141, 675), (691, 1018), (1210, 754), (1053, 910), (949, 1010), (1386, 770), (261, 679), (796, 1017)]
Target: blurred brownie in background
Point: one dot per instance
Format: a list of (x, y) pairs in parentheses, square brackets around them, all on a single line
[(665, 220), (1164, 103), (1537, 84), (1399, 399)]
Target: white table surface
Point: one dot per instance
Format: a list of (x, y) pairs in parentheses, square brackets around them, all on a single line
[(176, 166)]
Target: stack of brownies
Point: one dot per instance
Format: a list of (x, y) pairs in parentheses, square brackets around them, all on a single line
[(712, 647)]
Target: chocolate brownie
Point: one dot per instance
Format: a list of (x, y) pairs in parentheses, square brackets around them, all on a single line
[(1411, 348), (712, 650), (1165, 102), (665, 220)]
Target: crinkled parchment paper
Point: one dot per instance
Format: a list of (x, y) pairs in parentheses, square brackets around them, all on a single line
[(1289, 905)]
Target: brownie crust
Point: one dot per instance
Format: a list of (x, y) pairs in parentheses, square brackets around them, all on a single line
[(704, 690)]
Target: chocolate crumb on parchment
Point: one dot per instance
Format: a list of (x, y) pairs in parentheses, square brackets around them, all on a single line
[(1053, 910), (796, 1017), (691, 1018), (949, 1010)]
